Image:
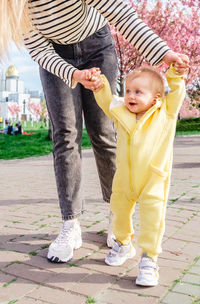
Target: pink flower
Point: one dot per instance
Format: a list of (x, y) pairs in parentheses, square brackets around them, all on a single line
[(13, 108)]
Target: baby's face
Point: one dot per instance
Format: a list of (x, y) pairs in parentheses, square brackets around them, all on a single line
[(139, 96)]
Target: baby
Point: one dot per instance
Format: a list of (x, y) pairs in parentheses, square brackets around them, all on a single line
[(146, 122)]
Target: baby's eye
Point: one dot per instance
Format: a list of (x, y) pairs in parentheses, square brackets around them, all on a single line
[(137, 91), (128, 91)]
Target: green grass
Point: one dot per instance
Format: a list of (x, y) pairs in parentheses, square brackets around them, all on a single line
[(36, 125), (21, 146), (85, 140), (188, 126), (180, 133), (10, 282), (33, 253), (90, 300)]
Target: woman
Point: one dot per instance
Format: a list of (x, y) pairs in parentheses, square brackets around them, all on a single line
[(70, 40)]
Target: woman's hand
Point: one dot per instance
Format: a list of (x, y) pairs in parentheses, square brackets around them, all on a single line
[(181, 61), (89, 78)]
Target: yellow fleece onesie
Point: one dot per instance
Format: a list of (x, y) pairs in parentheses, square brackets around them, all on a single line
[(144, 162)]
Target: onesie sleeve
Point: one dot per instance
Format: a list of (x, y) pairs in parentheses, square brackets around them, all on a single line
[(176, 96), (104, 97), (42, 51)]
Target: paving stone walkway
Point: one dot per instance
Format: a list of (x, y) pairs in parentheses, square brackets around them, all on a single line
[(30, 220)]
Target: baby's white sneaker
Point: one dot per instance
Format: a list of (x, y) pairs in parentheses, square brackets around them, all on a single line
[(148, 272), (119, 254)]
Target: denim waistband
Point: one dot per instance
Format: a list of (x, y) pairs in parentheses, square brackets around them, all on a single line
[(72, 51)]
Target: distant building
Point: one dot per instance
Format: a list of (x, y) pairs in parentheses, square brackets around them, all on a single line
[(12, 91)]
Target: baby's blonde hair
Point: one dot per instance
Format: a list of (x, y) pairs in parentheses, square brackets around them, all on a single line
[(14, 21), (158, 86)]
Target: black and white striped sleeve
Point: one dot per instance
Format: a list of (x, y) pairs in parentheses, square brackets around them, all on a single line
[(125, 19), (42, 51)]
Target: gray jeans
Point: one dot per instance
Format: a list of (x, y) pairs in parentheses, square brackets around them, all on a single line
[(66, 106)]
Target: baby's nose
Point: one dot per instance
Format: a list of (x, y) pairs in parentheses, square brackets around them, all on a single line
[(132, 96)]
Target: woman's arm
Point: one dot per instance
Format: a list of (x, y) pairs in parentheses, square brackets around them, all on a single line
[(42, 51), (133, 29), (117, 12)]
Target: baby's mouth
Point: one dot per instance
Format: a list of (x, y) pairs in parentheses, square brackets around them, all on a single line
[(132, 103)]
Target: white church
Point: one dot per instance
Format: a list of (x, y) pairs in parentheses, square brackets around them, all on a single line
[(12, 92)]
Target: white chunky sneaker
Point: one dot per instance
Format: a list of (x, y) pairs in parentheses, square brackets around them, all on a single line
[(148, 272), (69, 238), (119, 254), (110, 237)]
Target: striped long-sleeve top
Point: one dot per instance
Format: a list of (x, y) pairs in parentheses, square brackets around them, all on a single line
[(71, 21)]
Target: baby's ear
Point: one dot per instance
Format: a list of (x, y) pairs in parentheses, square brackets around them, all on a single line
[(155, 98)]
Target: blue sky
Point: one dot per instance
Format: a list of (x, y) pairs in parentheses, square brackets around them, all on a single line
[(28, 69)]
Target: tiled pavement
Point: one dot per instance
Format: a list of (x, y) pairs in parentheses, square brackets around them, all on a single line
[(30, 219)]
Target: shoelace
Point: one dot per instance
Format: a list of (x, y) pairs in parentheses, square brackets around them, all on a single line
[(64, 234)]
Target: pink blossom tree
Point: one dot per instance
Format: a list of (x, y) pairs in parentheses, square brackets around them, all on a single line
[(35, 109), (39, 110), (176, 22), (14, 109)]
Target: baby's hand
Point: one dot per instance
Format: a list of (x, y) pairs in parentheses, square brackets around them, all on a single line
[(89, 78), (96, 79), (94, 73), (182, 71), (182, 67)]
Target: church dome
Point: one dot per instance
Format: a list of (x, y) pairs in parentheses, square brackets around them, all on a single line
[(12, 72)]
